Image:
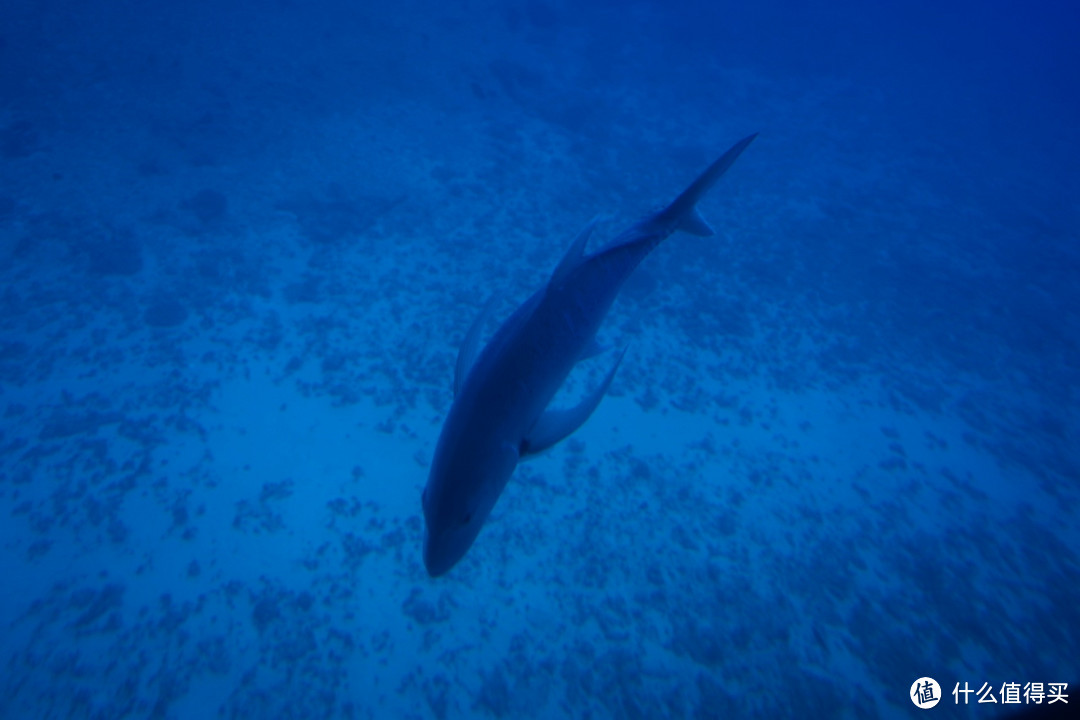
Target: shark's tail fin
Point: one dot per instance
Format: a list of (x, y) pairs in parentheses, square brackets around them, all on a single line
[(682, 213)]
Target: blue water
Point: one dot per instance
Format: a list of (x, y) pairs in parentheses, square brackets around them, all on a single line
[(240, 242)]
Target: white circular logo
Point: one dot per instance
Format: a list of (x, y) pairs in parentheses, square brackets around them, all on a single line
[(925, 693)]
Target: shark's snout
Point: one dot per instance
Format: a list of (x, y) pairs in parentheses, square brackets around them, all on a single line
[(436, 560)]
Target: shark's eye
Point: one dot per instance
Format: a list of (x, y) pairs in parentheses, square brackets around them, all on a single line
[(467, 519)]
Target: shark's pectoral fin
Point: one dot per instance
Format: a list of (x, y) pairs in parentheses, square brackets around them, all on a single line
[(556, 425), (470, 346), (593, 349)]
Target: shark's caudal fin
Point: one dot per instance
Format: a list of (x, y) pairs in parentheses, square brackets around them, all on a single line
[(682, 213)]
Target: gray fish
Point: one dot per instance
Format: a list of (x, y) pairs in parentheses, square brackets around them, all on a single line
[(500, 411)]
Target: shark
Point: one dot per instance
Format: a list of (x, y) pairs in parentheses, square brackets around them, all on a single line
[(500, 413)]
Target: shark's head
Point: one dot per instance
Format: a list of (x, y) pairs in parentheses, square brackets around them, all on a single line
[(464, 484)]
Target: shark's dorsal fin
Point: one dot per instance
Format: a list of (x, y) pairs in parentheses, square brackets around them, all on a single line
[(574, 255), (556, 425), (695, 224), (470, 346)]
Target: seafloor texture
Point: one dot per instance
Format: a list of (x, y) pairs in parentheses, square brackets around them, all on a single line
[(840, 453)]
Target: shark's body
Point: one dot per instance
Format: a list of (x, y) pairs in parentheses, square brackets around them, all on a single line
[(499, 414)]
